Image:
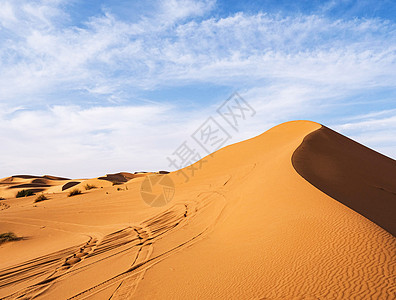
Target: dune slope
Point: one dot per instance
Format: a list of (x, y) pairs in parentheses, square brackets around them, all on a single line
[(245, 225), (351, 173), (276, 237)]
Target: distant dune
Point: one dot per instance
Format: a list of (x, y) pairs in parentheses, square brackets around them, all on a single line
[(119, 177), (299, 212)]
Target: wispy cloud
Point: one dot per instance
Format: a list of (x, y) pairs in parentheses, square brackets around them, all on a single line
[(84, 141), (375, 130), (119, 56)]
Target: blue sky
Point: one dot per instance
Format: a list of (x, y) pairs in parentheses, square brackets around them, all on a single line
[(92, 87)]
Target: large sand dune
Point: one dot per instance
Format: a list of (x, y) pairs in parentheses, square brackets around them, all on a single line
[(246, 225)]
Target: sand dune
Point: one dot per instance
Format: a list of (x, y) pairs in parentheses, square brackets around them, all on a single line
[(120, 177), (247, 225), (10, 186)]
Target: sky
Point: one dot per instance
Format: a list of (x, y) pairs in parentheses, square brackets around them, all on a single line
[(95, 87)]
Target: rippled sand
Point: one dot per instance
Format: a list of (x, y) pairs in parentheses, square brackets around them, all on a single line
[(272, 217)]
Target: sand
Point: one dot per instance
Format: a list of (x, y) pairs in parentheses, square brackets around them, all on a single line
[(261, 220), (351, 173)]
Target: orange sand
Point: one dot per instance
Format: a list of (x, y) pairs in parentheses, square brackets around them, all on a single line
[(247, 225)]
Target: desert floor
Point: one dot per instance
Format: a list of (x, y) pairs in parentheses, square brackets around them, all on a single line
[(299, 212)]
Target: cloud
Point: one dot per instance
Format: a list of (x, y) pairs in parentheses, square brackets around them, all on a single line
[(174, 10), (375, 130), (7, 15), (171, 47), (84, 141)]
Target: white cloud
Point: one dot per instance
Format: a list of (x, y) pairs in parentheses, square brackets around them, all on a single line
[(43, 56), (7, 15), (85, 141), (174, 10), (375, 130)]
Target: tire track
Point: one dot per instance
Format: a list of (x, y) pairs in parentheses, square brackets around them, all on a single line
[(137, 241)]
